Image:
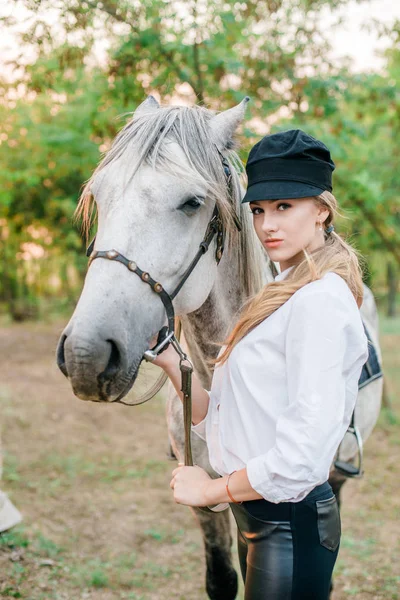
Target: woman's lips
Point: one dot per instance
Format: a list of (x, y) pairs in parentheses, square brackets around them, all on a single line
[(273, 243)]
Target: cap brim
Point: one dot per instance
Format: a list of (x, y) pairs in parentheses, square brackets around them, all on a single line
[(280, 190)]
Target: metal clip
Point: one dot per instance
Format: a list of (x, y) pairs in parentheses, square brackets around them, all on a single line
[(178, 348), (151, 355)]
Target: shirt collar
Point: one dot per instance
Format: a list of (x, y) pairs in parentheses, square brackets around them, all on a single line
[(283, 274)]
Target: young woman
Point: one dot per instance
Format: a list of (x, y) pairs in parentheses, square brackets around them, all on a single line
[(285, 383)]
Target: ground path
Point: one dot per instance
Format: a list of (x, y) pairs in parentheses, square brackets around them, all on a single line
[(92, 483)]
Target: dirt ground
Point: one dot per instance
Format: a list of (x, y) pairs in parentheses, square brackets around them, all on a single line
[(92, 484)]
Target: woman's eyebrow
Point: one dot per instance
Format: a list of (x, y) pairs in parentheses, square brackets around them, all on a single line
[(258, 202)]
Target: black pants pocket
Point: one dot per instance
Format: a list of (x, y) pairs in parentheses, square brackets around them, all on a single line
[(329, 528)]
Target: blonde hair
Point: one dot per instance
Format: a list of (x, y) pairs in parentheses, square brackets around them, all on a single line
[(335, 256)]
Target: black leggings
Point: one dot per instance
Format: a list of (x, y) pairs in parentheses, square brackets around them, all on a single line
[(287, 551)]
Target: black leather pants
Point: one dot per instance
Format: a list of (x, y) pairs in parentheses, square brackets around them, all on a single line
[(287, 551)]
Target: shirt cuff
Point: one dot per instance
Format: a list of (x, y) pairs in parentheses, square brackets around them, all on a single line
[(200, 429), (284, 491), (260, 482)]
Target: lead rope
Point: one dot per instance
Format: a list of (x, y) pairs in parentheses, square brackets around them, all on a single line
[(186, 369), (186, 373)]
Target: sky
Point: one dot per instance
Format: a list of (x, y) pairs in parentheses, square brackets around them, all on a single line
[(351, 39), (362, 46)]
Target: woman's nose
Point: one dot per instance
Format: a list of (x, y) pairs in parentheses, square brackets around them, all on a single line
[(269, 225)]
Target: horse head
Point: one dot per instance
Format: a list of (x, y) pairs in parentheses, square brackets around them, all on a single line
[(154, 193)]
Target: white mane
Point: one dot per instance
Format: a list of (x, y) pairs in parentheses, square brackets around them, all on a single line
[(147, 139)]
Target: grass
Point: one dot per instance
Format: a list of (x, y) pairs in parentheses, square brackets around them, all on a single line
[(63, 471), (34, 558), (99, 523)]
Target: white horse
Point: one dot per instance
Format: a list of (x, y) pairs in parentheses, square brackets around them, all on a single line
[(155, 193)]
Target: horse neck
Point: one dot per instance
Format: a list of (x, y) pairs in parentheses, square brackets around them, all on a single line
[(206, 328)]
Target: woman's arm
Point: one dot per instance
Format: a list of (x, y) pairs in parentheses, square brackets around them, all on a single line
[(325, 350), (194, 487), (169, 362)]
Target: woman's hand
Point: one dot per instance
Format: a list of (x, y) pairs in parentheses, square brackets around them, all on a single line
[(190, 485), (167, 359)]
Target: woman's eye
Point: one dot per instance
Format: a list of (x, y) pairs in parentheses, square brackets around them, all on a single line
[(283, 206), (256, 210)]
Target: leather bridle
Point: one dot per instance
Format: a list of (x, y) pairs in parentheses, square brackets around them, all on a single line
[(214, 228)]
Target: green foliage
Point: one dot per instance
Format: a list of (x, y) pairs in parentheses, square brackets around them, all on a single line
[(358, 117), (98, 579), (60, 113), (15, 538)]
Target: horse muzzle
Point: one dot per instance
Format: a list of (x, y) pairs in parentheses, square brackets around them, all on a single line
[(98, 370)]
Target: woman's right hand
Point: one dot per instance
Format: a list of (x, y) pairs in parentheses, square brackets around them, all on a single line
[(167, 359)]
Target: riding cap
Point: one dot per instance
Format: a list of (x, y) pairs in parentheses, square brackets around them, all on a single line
[(289, 164)]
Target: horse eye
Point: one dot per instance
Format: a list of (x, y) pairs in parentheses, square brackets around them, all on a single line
[(192, 203)]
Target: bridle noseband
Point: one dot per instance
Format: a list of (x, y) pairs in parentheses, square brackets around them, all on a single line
[(214, 228)]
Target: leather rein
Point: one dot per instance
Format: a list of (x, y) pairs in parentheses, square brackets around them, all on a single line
[(214, 228)]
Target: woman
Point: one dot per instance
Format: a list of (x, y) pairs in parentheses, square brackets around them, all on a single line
[(285, 383)]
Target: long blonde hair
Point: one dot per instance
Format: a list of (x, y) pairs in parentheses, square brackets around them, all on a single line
[(335, 256)]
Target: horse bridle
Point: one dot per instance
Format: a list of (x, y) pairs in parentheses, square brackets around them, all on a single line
[(214, 228)]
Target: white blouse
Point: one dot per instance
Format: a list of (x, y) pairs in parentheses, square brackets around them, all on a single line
[(282, 402)]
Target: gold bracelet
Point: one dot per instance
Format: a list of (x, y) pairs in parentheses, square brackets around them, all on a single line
[(227, 489)]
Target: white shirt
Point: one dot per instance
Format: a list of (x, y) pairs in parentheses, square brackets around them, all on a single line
[(282, 402)]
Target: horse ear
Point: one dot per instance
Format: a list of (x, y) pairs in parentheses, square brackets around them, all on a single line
[(224, 125), (148, 105)]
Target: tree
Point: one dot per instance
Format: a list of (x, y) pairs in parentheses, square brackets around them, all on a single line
[(67, 98)]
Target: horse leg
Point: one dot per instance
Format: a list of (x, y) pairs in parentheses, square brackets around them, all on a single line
[(170, 452), (221, 577), (336, 481)]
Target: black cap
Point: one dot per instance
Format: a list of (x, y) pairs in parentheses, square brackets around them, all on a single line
[(290, 164)]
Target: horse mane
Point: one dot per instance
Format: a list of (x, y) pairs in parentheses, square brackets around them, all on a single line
[(147, 139)]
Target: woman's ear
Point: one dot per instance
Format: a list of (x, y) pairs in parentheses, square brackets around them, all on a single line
[(323, 214)]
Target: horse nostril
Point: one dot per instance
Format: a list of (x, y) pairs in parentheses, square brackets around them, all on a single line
[(61, 357), (114, 362)]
